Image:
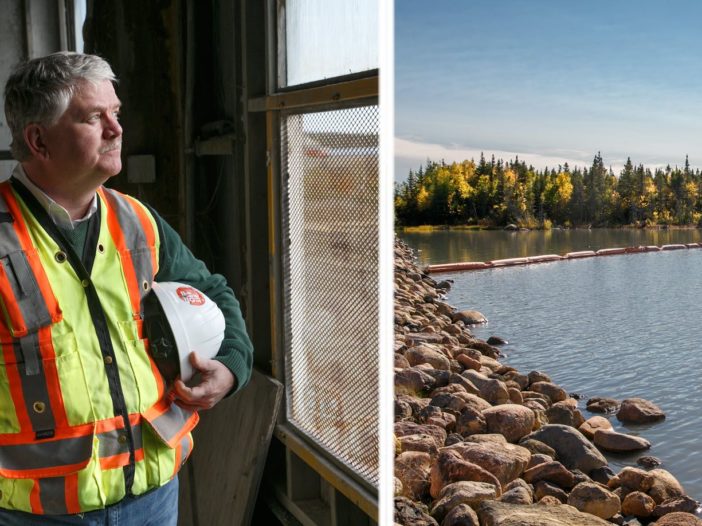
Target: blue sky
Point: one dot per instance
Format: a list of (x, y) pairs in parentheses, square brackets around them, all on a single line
[(552, 81)]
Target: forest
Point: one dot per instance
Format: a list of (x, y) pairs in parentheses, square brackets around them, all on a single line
[(497, 193)]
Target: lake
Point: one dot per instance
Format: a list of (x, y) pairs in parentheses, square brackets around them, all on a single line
[(616, 326)]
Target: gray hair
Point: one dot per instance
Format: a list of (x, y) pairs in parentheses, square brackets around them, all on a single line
[(40, 90)]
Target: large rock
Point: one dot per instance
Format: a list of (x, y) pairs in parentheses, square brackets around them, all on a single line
[(590, 497), (461, 515), (639, 411), (551, 472), (564, 413), (678, 519), (458, 400), (409, 513), (450, 467), (469, 317), (470, 422), (494, 391), (504, 461), (661, 485), (412, 468), (412, 381), (600, 404), (684, 503), (611, 440), (592, 424), (425, 443), (510, 420), (553, 391), (629, 477), (494, 513), (638, 503), (410, 428), (573, 450), (462, 492), (427, 354), (518, 495)]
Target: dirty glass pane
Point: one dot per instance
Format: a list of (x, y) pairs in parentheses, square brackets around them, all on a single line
[(329, 38)]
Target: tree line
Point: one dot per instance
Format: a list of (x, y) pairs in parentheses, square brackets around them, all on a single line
[(498, 193)]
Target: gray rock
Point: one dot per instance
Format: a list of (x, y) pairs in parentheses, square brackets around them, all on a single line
[(572, 449)]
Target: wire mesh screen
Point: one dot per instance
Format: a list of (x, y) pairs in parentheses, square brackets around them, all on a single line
[(330, 165)]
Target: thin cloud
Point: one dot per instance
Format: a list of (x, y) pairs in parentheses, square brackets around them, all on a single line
[(419, 152)]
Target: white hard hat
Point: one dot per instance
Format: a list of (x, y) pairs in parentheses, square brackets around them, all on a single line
[(179, 319)]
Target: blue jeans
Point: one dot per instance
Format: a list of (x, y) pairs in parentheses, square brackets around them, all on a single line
[(155, 508)]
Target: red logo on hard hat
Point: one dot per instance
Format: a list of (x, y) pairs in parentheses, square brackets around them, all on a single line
[(191, 295)]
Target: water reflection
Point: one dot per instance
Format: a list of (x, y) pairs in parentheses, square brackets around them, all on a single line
[(450, 246)]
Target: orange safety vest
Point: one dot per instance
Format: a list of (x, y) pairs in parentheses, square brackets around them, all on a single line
[(85, 418)]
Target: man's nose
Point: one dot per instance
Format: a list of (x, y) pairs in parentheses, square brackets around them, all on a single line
[(112, 127)]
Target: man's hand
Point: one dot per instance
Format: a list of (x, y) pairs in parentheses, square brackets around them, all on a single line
[(216, 380)]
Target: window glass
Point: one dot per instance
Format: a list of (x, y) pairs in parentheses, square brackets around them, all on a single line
[(329, 38)]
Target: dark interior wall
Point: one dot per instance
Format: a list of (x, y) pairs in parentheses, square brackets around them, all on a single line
[(143, 43)]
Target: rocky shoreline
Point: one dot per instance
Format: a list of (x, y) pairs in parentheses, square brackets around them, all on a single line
[(479, 443)]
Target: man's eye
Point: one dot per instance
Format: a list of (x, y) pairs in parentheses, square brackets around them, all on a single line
[(94, 117), (116, 115)]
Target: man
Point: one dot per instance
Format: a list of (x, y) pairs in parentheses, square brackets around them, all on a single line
[(89, 431)]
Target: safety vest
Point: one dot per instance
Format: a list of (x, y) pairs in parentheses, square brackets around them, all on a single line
[(85, 417)]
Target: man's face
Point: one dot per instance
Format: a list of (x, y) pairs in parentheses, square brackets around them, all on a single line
[(84, 146)]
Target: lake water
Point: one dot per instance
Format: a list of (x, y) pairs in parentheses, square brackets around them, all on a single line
[(616, 326), (450, 246)]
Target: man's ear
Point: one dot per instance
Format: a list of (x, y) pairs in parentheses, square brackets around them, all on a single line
[(34, 139)]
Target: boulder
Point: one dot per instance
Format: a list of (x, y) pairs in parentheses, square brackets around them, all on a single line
[(611, 440), (590, 497), (649, 462), (543, 489), (573, 450), (458, 400), (412, 381), (409, 513), (494, 513), (433, 415), (412, 468), (469, 317), (685, 504), (538, 376), (510, 420), (564, 413), (639, 411), (518, 495), (462, 492), (630, 477), (677, 519), (496, 340), (661, 485), (515, 395), (461, 515), (410, 428), (638, 503), (494, 391), (599, 404), (538, 458), (427, 354), (592, 424), (505, 461), (553, 391), (553, 471), (421, 442), (538, 447), (470, 422), (450, 467)]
